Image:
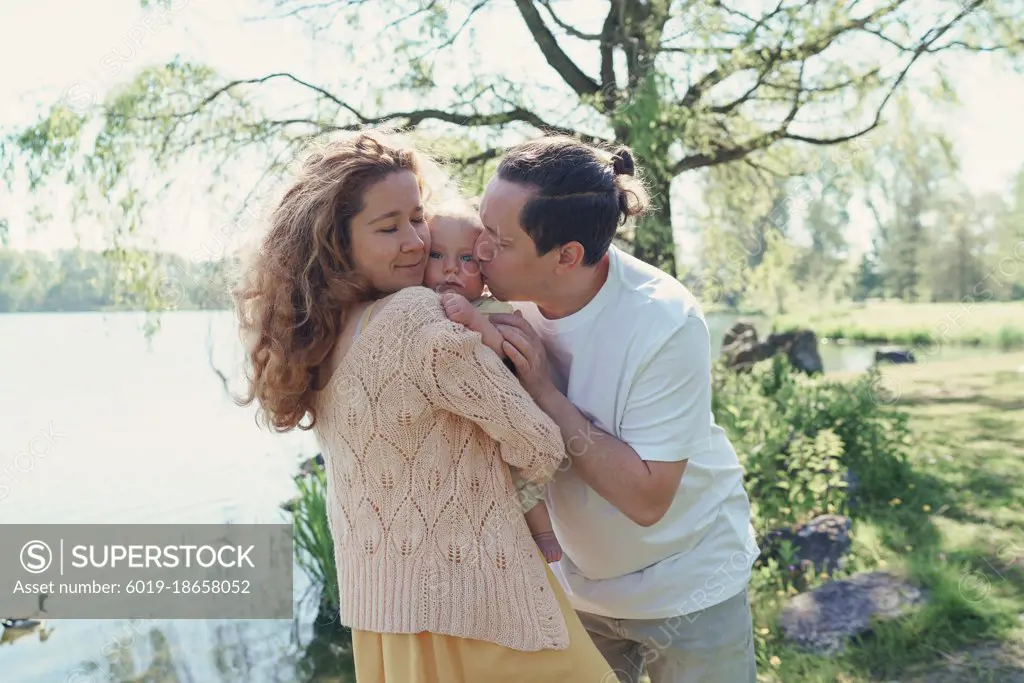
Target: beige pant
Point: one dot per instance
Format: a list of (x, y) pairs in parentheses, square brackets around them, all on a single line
[(715, 645)]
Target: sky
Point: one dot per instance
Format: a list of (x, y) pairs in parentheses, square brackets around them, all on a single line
[(55, 49)]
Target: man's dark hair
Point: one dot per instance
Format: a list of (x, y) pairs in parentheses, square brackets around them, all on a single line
[(583, 194)]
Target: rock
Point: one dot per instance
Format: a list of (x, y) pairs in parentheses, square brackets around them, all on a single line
[(741, 348), (21, 624), (823, 619), (311, 465), (895, 356), (801, 346), (820, 543), (740, 332)]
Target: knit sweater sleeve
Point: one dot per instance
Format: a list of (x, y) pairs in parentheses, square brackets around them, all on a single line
[(463, 376)]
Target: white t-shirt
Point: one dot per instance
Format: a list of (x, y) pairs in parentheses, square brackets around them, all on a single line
[(636, 362)]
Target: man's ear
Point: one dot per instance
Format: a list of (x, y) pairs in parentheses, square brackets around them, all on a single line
[(570, 256)]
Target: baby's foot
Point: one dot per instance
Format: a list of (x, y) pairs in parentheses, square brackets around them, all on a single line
[(549, 546)]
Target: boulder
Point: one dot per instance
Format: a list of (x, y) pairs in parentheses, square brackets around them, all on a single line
[(823, 620), (742, 333), (741, 348), (895, 356), (801, 346), (311, 465), (821, 544)]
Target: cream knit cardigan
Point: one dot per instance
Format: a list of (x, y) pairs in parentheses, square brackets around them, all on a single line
[(416, 426)]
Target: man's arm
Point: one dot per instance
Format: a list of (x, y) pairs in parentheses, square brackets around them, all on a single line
[(667, 419), (642, 490)]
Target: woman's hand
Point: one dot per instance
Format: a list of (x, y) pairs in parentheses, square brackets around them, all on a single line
[(523, 346)]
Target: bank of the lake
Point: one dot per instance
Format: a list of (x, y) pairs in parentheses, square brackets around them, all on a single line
[(925, 326)]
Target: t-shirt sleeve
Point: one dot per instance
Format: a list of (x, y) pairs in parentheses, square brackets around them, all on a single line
[(667, 416), (489, 305)]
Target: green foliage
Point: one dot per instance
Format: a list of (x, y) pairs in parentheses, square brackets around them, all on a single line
[(924, 327), (688, 85), (800, 437), (314, 545), (81, 280)]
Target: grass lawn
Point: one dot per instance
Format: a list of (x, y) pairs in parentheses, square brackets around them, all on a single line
[(958, 532), (996, 324)]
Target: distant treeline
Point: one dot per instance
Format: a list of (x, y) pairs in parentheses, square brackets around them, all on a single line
[(82, 280)]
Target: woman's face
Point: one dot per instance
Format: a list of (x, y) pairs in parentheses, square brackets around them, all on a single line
[(390, 239)]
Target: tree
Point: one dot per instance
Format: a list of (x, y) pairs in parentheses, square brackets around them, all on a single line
[(821, 267), (1007, 262), (913, 169), (688, 85), (960, 246), (868, 282), (773, 284)]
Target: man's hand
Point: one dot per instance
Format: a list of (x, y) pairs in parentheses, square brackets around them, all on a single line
[(524, 347)]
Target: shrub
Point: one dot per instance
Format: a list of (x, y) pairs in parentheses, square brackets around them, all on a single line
[(799, 438)]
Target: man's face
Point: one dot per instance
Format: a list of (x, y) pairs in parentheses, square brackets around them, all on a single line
[(508, 256)]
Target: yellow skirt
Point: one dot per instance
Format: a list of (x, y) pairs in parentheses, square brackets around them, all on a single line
[(434, 658)]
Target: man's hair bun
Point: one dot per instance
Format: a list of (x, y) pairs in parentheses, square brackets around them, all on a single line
[(622, 162)]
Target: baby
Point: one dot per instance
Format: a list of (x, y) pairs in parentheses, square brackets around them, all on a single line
[(453, 272)]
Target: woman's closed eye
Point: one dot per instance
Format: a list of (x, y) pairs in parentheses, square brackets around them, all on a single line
[(419, 220)]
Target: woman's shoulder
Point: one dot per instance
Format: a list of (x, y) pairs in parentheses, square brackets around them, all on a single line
[(415, 293), (418, 299), (411, 308)]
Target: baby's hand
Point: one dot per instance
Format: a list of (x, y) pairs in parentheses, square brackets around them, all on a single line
[(458, 309)]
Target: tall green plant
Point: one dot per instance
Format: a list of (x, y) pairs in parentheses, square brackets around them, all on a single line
[(314, 545)]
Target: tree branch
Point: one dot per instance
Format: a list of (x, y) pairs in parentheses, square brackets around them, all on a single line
[(778, 55), (782, 132), (608, 86), (568, 28), (475, 159), (559, 61)]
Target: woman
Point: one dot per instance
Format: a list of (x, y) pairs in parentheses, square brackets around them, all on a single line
[(438, 575)]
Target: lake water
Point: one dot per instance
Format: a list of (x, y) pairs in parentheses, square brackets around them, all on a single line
[(142, 431)]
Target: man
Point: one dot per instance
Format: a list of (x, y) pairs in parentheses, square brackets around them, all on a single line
[(650, 508)]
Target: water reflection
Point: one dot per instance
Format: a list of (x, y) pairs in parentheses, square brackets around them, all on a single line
[(15, 632), (235, 652)]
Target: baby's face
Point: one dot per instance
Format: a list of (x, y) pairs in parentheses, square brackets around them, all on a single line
[(451, 266)]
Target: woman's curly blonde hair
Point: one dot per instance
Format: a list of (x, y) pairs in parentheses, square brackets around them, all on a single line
[(295, 292)]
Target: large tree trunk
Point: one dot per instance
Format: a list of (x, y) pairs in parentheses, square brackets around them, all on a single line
[(653, 241)]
